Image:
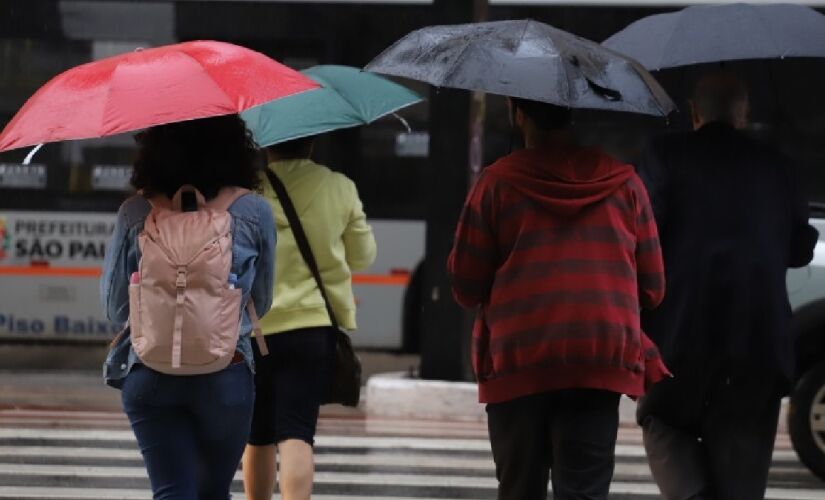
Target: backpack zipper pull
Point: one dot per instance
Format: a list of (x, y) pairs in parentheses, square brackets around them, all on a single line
[(180, 282)]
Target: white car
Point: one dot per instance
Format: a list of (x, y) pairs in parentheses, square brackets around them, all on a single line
[(806, 415)]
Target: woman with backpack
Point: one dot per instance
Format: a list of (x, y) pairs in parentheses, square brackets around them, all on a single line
[(190, 265)]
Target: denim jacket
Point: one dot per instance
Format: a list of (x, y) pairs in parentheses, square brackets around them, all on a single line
[(253, 261)]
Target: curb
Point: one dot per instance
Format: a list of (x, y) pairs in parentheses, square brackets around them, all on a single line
[(397, 395)]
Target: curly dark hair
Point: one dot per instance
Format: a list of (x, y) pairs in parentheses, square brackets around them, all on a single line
[(210, 153)]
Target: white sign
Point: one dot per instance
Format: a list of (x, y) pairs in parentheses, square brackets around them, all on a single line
[(50, 275), (59, 239)]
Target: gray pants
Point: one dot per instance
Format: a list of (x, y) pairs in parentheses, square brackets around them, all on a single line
[(711, 437)]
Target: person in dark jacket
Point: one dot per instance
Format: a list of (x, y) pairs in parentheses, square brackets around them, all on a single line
[(731, 223), (557, 248)]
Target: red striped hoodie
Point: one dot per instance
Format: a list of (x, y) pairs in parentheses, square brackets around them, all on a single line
[(558, 249)]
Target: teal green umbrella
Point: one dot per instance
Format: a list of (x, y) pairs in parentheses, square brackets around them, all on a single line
[(348, 97)]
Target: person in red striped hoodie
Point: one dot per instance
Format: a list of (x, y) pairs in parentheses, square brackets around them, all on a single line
[(557, 249)]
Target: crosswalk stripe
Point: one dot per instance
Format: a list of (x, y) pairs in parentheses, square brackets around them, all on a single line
[(91, 435), (40, 492), (327, 441), (37, 492), (62, 493), (625, 471), (26, 417), (374, 462), (34, 461), (67, 452), (373, 472)]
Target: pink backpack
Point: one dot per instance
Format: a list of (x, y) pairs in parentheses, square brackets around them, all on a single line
[(184, 312)]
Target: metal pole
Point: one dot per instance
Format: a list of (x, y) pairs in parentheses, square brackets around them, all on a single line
[(456, 135), (478, 108)]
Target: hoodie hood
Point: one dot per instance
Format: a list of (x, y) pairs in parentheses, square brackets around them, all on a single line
[(564, 179)]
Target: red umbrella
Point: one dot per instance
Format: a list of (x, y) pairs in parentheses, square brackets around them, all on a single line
[(173, 83)]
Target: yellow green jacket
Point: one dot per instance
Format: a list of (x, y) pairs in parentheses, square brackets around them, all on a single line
[(336, 226)]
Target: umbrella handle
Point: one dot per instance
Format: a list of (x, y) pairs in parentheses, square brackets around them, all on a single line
[(29, 156), (403, 122)]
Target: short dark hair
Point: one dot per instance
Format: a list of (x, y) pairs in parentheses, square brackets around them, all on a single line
[(209, 153), (546, 116), (296, 149), (717, 95)]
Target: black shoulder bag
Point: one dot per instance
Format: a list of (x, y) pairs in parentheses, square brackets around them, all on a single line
[(345, 385)]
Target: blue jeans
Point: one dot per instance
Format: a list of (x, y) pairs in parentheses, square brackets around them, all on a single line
[(191, 429)]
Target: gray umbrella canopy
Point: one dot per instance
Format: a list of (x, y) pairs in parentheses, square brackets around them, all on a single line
[(713, 33), (525, 59)]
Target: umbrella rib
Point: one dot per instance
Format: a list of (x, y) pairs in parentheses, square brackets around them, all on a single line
[(100, 131), (417, 33), (352, 105), (206, 70), (659, 105), (454, 67), (464, 49), (765, 27), (523, 33), (666, 47)]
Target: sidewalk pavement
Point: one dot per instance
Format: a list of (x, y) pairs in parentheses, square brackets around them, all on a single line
[(394, 395), (57, 389), (69, 376)]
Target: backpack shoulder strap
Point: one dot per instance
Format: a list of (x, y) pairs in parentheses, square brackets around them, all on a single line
[(174, 204), (160, 201), (176, 200), (257, 332), (226, 197)]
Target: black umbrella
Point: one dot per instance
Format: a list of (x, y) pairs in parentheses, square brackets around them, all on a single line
[(525, 59), (714, 33)]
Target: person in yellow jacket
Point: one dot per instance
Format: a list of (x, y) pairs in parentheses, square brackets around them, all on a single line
[(292, 380)]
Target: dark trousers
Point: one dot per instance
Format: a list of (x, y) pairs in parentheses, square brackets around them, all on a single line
[(191, 429), (567, 435), (291, 382), (711, 435)]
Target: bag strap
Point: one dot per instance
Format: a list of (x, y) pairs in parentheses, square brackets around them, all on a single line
[(226, 197), (177, 329), (257, 332), (301, 239), (177, 199)]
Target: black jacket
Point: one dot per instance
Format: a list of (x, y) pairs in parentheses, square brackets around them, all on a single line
[(731, 223)]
